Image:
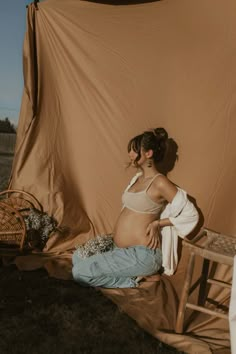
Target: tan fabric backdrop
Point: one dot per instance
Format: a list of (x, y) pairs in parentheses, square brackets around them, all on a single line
[(96, 75)]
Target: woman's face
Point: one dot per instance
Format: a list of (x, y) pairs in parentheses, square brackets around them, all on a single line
[(133, 155)]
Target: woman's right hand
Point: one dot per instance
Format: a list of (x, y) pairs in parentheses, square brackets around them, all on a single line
[(153, 235)]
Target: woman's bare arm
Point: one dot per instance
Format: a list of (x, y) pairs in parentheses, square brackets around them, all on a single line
[(166, 190)]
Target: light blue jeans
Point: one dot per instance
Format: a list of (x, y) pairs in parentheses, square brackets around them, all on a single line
[(117, 268)]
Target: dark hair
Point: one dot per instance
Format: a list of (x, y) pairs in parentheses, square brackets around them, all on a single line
[(154, 140)]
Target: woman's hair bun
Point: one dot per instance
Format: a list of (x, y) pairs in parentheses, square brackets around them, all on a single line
[(160, 133)]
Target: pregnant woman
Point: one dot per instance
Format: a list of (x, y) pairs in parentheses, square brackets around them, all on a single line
[(145, 236)]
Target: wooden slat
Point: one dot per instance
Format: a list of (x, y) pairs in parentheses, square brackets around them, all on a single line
[(219, 283), (208, 311)]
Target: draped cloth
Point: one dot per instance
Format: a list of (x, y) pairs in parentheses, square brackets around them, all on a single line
[(95, 75)]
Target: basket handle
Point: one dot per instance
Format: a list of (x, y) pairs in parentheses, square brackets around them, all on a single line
[(38, 205)]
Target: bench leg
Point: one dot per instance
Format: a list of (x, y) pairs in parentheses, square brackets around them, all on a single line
[(185, 294), (203, 285)]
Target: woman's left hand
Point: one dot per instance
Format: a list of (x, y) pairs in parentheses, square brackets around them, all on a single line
[(153, 233)]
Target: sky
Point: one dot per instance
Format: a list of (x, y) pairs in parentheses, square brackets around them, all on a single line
[(12, 30)]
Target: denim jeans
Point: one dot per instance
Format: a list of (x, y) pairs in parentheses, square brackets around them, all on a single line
[(117, 268)]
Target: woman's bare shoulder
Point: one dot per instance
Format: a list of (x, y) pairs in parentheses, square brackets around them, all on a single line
[(162, 180), (165, 187)]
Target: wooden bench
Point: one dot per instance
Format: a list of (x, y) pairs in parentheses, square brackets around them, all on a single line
[(211, 246)]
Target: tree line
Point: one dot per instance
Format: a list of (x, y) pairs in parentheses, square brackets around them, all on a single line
[(6, 126)]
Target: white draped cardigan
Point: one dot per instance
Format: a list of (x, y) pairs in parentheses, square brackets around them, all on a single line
[(184, 217)]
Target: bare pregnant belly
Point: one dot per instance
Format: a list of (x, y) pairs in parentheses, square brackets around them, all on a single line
[(130, 229)]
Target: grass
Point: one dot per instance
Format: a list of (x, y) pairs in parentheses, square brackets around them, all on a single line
[(43, 315)]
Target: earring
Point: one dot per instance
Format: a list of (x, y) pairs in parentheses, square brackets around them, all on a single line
[(149, 163)]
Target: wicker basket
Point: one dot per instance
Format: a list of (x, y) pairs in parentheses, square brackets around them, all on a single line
[(14, 206)]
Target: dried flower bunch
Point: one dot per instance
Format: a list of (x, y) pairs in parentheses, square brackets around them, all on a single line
[(99, 244), (39, 226)]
